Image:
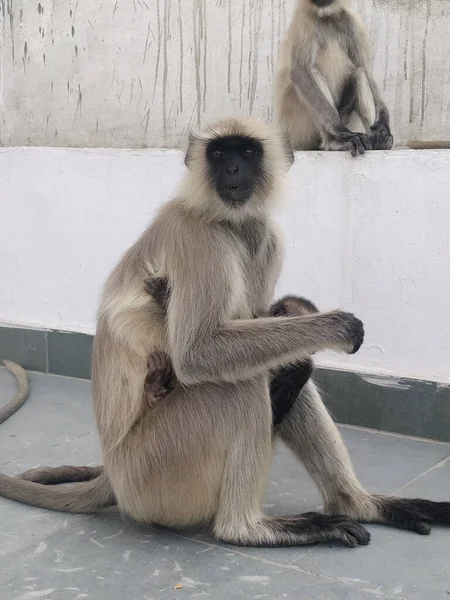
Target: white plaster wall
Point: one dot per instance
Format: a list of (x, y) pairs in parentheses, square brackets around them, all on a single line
[(137, 73), (370, 235)]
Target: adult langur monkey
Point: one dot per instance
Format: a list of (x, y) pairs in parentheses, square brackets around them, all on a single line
[(326, 97), (205, 454)]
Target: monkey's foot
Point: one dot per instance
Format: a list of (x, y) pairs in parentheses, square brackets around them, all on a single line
[(403, 513), (412, 514), (301, 530), (355, 143), (381, 139), (323, 528), (160, 379)]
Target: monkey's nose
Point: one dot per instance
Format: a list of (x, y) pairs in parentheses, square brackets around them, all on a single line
[(232, 170)]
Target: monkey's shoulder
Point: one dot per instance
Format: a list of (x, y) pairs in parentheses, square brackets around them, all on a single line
[(178, 234)]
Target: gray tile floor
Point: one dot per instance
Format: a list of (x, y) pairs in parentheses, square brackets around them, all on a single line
[(63, 557)]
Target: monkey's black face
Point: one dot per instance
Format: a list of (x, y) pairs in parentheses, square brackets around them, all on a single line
[(322, 3), (235, 167)]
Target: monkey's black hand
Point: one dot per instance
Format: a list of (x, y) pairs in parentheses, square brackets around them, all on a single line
[(349, 328), (342, 139), (158, 288), (382, 139)]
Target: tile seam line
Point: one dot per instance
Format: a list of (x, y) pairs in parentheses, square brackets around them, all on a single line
[(403, 436), (438, 465), (290, 567)]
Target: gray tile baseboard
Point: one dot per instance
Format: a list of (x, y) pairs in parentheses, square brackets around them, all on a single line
[(398, 405), (48, 351)]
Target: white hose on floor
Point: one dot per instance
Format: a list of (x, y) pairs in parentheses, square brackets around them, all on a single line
[(22, 393)]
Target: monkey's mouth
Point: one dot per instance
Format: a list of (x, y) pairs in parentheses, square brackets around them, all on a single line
[(322, 3), (235, 194), (233, 190)]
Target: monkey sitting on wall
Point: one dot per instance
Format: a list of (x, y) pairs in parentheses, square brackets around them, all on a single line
[(326, 97)]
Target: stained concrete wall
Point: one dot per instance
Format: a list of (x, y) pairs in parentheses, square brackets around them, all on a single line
[(137, 73)]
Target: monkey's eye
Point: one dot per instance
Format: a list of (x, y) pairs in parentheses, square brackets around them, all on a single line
[(249, 152), (216, 154)]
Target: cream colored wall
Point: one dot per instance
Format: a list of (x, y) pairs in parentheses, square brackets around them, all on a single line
[(137, 73)]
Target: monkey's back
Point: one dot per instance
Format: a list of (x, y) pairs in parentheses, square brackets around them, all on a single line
[(130, 325)]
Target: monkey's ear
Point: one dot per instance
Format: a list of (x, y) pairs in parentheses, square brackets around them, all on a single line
[(190, 151)]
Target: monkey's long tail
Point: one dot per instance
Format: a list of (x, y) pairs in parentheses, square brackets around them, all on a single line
[(64, 474), (22, 393), (87, 497)]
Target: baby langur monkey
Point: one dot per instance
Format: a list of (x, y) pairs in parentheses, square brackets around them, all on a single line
[(326, 97), (286, 383)]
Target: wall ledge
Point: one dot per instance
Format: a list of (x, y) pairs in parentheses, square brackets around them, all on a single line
[(151, 151)]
